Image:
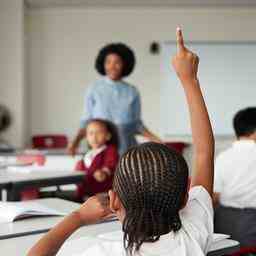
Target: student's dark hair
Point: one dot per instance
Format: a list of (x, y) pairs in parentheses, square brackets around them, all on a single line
[(244, 122), (151, 181), (122, 50), (111, 128)]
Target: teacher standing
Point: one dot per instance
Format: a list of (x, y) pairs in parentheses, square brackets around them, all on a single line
[(113, 99)]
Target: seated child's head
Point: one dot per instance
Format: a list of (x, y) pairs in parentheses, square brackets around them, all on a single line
[(150, 187), (100, 132), (244, 123)]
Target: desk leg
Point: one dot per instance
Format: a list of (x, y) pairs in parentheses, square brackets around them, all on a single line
[(13, 195), (3, 195)]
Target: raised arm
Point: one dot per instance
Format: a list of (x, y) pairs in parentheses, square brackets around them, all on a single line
[(185, 64)]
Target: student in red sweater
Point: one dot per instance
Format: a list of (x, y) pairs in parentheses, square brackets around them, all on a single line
[(100, 161)]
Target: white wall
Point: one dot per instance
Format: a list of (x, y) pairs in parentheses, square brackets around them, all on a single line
[(227, 77), (63, 44), (12, 86)]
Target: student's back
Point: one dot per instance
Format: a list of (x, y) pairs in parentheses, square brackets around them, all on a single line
[(235, 175), (235, 182), (235, 169), (194, 237)]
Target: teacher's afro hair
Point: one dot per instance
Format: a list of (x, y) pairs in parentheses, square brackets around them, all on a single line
[(122, 50)]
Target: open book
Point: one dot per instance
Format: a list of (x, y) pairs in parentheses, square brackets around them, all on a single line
[(10, 211)]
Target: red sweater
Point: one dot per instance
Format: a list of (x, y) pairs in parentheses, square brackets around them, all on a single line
[(108, 158)]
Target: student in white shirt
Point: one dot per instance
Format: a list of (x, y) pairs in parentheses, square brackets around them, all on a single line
[(150, 192), (235, 168), (235, 182)]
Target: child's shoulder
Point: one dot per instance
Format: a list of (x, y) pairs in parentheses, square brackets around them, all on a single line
[(225, 153), (198, 212), (80, 166), (230, 152), (199, 205), (111, 147)]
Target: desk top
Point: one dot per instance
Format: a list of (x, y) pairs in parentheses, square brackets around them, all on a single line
[(37, 224), (25, 242), (51, 152), (37, 177)]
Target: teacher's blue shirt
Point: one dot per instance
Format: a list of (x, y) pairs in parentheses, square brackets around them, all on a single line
[(118, 102)]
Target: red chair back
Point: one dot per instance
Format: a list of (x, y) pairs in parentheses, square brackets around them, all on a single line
[(178, 146), (245, 251), (54, 141), (39, 159)]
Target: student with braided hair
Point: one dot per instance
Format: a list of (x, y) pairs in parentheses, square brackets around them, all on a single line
[(151, 196)]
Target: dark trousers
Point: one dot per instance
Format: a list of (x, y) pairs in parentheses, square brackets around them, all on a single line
[(239, 223)]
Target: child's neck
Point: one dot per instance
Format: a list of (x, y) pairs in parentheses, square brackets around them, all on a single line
[(97, 147)]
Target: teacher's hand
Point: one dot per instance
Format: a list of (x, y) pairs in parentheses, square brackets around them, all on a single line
[(72, 149)]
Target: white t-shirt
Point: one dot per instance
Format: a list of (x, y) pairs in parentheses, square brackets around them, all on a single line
[(235, 175), (194, 238)]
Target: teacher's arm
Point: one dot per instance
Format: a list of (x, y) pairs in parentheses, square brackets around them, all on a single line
[(149, 135), (72, 147), (88, 106)]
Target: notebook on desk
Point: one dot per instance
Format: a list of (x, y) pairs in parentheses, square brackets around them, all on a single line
[(11, 211)]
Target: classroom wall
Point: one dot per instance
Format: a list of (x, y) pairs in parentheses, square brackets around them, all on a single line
[(62, 44), (12, 86)]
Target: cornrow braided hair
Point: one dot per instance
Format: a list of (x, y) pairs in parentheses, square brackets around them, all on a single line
[(151, 182)]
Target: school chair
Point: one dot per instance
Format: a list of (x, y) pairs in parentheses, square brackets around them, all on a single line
[(245, 251), (54, 141), (178, 146), (49, 141), (39, 159)]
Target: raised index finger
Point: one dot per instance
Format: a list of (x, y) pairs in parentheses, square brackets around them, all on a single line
[(180, 41)]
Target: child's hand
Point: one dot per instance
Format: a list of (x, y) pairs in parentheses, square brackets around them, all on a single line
[(99, 176), (185, 62), (93, 210), (96, 208)]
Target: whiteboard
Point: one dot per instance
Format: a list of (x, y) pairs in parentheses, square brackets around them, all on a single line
[(227, 73)]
